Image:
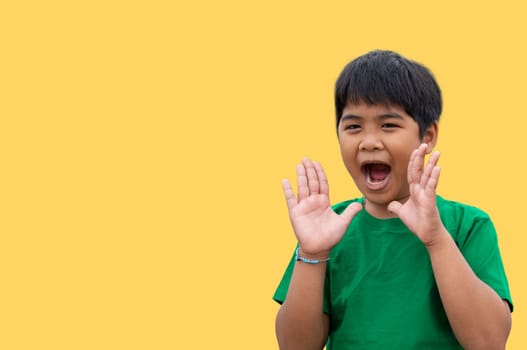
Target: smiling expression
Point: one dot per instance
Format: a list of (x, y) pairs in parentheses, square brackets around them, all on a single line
[(376, 142)]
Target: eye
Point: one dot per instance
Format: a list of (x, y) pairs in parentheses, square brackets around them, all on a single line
[(389, 126), (351, 127)]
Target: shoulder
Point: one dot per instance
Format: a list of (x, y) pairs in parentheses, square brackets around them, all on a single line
[(465, 222), (459, 211)]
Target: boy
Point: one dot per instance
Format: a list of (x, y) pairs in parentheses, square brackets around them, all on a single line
[(400, 268)]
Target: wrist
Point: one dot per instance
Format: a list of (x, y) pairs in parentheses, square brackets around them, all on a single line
[(440, 239), (311, 258)]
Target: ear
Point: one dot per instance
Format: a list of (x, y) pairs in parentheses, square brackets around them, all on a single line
[(430, 136)]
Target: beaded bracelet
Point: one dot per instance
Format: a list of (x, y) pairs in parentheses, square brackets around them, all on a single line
[(306, 260)]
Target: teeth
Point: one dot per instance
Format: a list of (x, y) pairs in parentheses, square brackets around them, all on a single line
[(369, 178)]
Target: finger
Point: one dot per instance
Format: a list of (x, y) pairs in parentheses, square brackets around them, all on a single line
[(303, 190), (289, 194), (415, 167), (431, 186), (349, 213), (312, 178), (432, 162), (394, 207), (322, 179), (411, 177)]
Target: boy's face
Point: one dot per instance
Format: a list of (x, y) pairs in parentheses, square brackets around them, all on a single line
[(376, 142)]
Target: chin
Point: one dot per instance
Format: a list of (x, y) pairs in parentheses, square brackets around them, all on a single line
[(378, 201)]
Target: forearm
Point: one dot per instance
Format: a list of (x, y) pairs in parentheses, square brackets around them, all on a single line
[(301, 323), (477, 315)]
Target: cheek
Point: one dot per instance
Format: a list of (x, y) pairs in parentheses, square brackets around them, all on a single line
[(343, 149), (402, 167), (347, 152), (347, 144)]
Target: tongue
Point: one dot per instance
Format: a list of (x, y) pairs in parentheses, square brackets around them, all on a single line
[(378, 172)]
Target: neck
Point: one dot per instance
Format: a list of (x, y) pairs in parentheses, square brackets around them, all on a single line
[(380, 210)]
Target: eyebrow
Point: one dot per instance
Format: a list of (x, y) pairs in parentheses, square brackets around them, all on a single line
[(390, 115)]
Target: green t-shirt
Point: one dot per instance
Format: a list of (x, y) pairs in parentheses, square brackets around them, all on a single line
[(380, 291)]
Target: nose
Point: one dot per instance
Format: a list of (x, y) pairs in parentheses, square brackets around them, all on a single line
[(371, 142)]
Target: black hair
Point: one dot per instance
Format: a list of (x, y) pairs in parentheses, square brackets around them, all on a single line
[(385, 77)]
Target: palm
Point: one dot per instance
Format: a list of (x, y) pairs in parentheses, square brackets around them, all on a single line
[(419, 213), (317, 227)]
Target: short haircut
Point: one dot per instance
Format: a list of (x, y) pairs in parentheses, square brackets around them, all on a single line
[(385, 77)]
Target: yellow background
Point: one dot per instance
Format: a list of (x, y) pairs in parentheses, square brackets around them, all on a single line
[(143, 143)]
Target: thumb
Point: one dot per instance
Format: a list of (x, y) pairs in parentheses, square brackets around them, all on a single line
[(394, 207), (349, 213)]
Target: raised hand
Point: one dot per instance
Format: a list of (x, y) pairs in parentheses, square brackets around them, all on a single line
[(419, 213), (317, 227)]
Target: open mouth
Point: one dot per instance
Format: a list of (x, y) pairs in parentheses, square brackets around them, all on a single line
[(376, 173)]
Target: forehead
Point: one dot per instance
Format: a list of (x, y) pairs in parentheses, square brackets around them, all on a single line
[(364, 110)]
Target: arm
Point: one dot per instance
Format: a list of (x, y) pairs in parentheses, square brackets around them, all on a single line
[(477, 315), (301, 323)]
